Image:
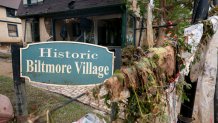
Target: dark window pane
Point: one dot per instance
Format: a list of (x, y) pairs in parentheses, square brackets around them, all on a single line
[(10, 12), (32, 2)]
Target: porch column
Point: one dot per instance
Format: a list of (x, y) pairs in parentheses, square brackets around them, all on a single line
[(96, 31), (53, 29), (27, 34), (124, 24)]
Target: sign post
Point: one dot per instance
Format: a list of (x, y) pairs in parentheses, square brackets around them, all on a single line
[(19, 83)]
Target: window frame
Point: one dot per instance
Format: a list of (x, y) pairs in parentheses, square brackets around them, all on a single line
[(131, 18), (8, 10), (29, 2), (9, 34)]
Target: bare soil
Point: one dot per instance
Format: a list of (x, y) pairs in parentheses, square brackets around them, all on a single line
[(6, 67)]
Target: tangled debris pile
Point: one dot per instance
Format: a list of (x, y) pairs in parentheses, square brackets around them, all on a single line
[(142, 86)]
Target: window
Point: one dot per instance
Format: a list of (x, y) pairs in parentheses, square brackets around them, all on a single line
[(35, 29), (109, 32), (10, 12), (130, 34), (31, 2), (12, 30)]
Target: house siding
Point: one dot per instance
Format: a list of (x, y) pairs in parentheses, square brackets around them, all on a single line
[(4, 21)]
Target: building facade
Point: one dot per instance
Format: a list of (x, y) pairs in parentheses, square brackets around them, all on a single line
[(101, 22), (10, 25)]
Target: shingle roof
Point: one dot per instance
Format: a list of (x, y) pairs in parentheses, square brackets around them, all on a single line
[(55, 6), (10, 3)]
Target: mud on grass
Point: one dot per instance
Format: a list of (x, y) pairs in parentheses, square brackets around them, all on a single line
[(40, 100), (5, 55)]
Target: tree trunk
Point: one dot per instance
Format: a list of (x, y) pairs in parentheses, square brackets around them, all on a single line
[(150, 39), (161, 31)]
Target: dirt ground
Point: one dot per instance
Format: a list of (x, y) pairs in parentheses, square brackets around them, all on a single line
[(5, 64), (5, 68)]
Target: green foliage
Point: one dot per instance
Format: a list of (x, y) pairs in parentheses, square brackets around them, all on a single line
[(119, 75), (142, 4), (182, 45), (107, 98), (178, 12), (206, 37), (179, 89)]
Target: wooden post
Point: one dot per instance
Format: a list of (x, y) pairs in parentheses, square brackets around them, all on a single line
[(19, 84), (161, 31), (53, 29)]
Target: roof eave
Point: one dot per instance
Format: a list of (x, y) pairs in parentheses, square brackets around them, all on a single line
[(73, 12)]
